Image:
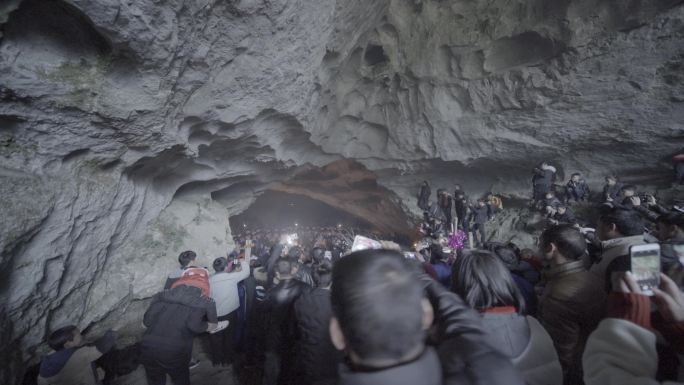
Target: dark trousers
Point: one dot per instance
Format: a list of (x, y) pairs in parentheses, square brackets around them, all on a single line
[(462, 222), (679, 172), (222, 344), (479, 228), (160, 362)]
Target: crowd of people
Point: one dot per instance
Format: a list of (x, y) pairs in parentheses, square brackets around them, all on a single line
[(302, 306)]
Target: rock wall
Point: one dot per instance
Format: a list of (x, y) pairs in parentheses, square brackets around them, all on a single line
[(132, 130)]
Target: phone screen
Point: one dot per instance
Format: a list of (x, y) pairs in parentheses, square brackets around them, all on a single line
[(646, 267)]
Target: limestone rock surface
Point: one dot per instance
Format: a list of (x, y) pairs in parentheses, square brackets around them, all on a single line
[(132, 130)]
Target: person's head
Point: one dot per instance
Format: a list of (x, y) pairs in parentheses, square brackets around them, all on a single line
[(549, 195), (481, 202), (458, 187), (575, 177), (220, 264), (482, 280), (317, 254), (296, 253), (65, 338), (322, 274), (611, 180), (285, 268), (379, 311), (186, 258), (618, 222), (507, 255), (628, 191), (561, 209), (670, 225), (562, 243), (425, 183)]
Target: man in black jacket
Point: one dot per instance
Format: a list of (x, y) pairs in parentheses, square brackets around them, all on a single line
[(424, 196), (382, 308), (576, 189), (316, 355), (461, 206), (173, 319), (480, 215), (280, 333)]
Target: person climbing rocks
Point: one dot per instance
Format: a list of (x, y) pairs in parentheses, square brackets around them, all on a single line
[(542, 181), (445, 203), (612, 188), (480, 215), (424, 196), (576, 189), (72, 360)]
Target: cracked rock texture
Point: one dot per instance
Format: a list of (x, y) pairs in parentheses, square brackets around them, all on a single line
[(131, 130)]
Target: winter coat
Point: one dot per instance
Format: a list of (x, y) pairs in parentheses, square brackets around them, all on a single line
[(578, 191), (571, 307), (527, 291), (620, 352), (280, 331), (224, 290), (278, 305), (445, 203), (443, 271), (304, 274), (74, 366), (461, 206), (317, 358), (424, 197), (614, 257), (173, 319), (480, 214), (567, 218), (612, 191), (526, 343), (544, 176)]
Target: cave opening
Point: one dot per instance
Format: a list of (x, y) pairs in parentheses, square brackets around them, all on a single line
[(281, 210)]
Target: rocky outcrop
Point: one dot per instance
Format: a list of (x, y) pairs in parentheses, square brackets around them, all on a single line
[(132, 130)]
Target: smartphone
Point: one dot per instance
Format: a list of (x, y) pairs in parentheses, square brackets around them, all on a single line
[(645, 261)]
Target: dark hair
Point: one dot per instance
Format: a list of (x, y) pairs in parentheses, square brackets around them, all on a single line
[(376, 298), (575, 174), (284, 265), (186, 257), (483, 281), (628, 222), (220, 264), (568, 240), (672, 219), (508, 256), (61, 336), (294, 252), (317, 254), (322, 274)]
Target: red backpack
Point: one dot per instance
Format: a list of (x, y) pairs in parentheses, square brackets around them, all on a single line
[(194, 276)]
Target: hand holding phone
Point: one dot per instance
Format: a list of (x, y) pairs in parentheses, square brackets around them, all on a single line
[(645, 266)]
